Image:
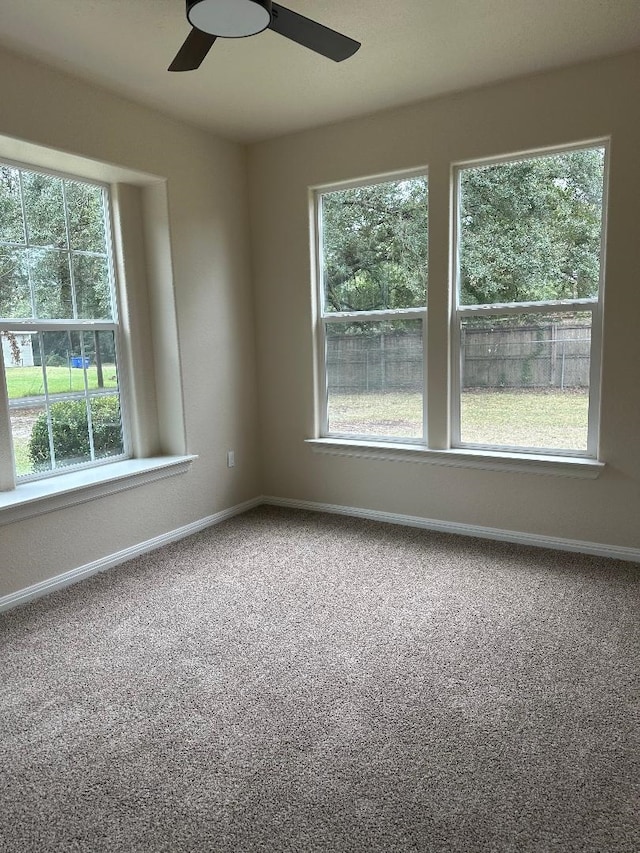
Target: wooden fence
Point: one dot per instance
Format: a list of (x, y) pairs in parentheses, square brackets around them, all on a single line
[(549, 356)]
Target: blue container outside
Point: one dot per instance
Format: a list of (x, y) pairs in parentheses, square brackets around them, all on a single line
[(76, 361)]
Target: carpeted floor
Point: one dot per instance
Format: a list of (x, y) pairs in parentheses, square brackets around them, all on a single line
[(289, 681)]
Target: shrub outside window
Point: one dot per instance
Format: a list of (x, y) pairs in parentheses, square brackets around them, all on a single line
[(58, 326)]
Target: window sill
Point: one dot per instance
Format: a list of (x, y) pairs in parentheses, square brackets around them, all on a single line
[(561, 466), (40, 496)]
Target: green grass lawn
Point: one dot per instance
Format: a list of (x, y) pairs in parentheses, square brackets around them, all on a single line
[(28, 381), (21, 453), (553, 419), (390, 414)]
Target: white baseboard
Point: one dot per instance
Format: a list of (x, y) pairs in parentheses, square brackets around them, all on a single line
[(22, 596), (615, 551), (30, 593)]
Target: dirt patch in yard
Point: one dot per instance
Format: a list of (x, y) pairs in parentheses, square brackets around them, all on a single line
[(22, 421)]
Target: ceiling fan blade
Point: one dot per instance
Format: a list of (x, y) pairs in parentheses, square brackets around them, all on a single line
[(196, 46), (311, 34)]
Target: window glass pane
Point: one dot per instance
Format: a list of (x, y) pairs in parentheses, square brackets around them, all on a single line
[(100, 359), (25, 389), (15, 299), (85, 209), (56, 356), (525, 381), (375, 378), (70, 432), (102, 376), (531, 230), (21, 355), (11, 223), (62, 385), (92, 287), (44, 210), (30, 433), (63, 363), (106, 424), (65, 369), (374, 246), (51, 284)]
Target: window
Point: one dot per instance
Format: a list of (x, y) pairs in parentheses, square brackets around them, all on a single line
[(526, 314), (60, 393), (526, 336), (373, 274)]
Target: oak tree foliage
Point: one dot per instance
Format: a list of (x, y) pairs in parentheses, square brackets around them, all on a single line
[(529, 231), (53, 256)]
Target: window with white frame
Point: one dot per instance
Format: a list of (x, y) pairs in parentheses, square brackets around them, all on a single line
[(60, 393), (526, 307), (373, 290), (526, 337)]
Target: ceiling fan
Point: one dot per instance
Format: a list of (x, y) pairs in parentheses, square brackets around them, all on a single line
[(212, 19)]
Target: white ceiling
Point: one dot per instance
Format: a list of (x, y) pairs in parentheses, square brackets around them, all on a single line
[(263, 86)]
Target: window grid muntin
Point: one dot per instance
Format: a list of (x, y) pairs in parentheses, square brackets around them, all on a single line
[(108, 228), (86, 395), (35, 325)]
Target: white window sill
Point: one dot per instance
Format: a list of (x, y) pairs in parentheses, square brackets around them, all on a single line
[(562, 466), (65, 490)]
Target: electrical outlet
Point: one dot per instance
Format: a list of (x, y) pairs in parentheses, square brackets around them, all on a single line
[(231, 458)]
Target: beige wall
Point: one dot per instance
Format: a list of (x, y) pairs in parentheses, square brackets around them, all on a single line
[(220, 347), (207, 217), (579, 103)]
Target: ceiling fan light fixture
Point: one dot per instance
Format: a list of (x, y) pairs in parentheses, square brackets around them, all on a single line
[(229, 18)]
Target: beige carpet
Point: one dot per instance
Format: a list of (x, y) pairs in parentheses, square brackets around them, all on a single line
[(291, 681)]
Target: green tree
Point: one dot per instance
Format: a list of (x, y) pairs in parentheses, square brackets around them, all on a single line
[(52, 240), (375, 246), (530, 230)]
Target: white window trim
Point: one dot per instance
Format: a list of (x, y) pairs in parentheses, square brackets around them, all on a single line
[(8, 477), (561, 463), (363, 317), (36, 497), (326, 317), (555, 307), (489, 460), (138, 204), (592, 305)]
